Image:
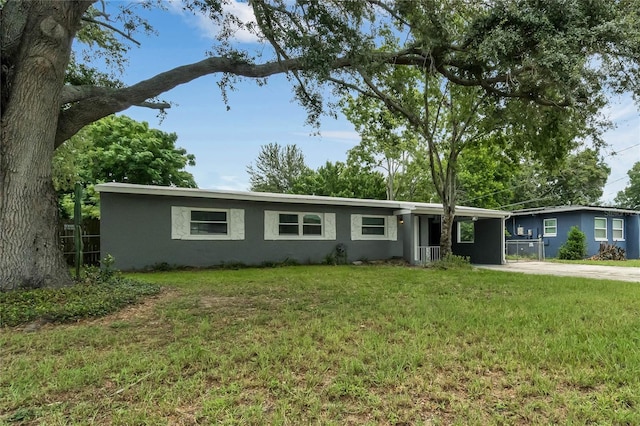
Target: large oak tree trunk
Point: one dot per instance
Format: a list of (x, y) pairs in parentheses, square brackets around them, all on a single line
[(30, 254)]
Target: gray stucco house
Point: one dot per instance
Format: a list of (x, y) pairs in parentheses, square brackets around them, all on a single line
[(142, 226), (600, 224)]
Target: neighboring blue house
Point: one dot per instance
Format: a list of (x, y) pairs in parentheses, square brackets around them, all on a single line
[(146, 225), (600, 224)]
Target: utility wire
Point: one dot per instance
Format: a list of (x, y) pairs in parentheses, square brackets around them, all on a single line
[(523, 202), (617, 180), (612, 153)]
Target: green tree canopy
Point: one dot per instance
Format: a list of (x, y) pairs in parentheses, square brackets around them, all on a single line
[(343, 180), (386, 143), (282, 169), (451, 121), (488, 175), (630, 196), (580, 180), (497, 178), (119, 149), (277, 168)]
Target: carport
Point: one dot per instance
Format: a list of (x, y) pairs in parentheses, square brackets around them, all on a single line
[(477, 233)]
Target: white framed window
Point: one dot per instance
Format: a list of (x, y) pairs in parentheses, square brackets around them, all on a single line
[(600, 228), (299, 225), (198, 223), (550, 228), (466, 231), (617, 229), (374, 227), (209, 222)]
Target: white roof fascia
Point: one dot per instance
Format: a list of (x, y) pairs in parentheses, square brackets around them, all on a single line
[(128, 188), (475, 211), (401, 207), (436, 209), (564, 209)]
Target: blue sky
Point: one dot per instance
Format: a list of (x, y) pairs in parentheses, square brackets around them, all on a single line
[(225, 142)]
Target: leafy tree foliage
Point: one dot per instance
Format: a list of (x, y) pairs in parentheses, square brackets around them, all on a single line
[(580, 180), (495, 179), (118, 149), (282, 169), (342, 180), (453, 114), (575, 248), (450, 120), (629, 197), (277, 168), (488, 176), (386, 144)]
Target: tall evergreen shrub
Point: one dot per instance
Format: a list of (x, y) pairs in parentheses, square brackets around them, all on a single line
[(575, 248)]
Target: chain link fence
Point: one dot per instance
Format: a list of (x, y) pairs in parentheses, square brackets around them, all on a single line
[(524, 250)]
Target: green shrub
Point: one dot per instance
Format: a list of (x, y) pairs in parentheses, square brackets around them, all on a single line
[(162, 267), (575, 248), (92, 297), (290, 262), (330, 259), (337, 256), (451, 261), (231, 265)]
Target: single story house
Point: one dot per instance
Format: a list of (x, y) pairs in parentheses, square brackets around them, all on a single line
[(142, 226), (600, 224)]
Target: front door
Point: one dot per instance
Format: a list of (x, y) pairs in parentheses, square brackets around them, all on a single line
[(434, 232)]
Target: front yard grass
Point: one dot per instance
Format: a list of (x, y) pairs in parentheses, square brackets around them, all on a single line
[(338, 345)]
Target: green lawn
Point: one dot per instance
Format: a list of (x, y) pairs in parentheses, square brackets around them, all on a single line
[(338, 345)]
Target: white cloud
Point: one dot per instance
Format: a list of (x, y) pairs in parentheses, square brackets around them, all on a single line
[(209, 29), (348, 137), (344, 135), (231, 187), (224, 182), (174, 6), (621, 108), (232, 179)]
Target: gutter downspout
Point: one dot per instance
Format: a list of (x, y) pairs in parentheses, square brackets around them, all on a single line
[(504, 239)]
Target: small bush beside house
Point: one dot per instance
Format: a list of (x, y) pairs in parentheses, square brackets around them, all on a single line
[(575, 248)]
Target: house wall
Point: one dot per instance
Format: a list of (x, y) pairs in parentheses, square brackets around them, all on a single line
[(633, 237), (488, 244), (136, 230), (584, 220), (406, 232)]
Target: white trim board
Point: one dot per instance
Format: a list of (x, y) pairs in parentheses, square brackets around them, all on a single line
[(401, 206)]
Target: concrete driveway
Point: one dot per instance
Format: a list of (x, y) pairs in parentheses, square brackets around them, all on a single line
[(618, 273)]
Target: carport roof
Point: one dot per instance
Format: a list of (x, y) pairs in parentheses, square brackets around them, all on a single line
[(400, 207)]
